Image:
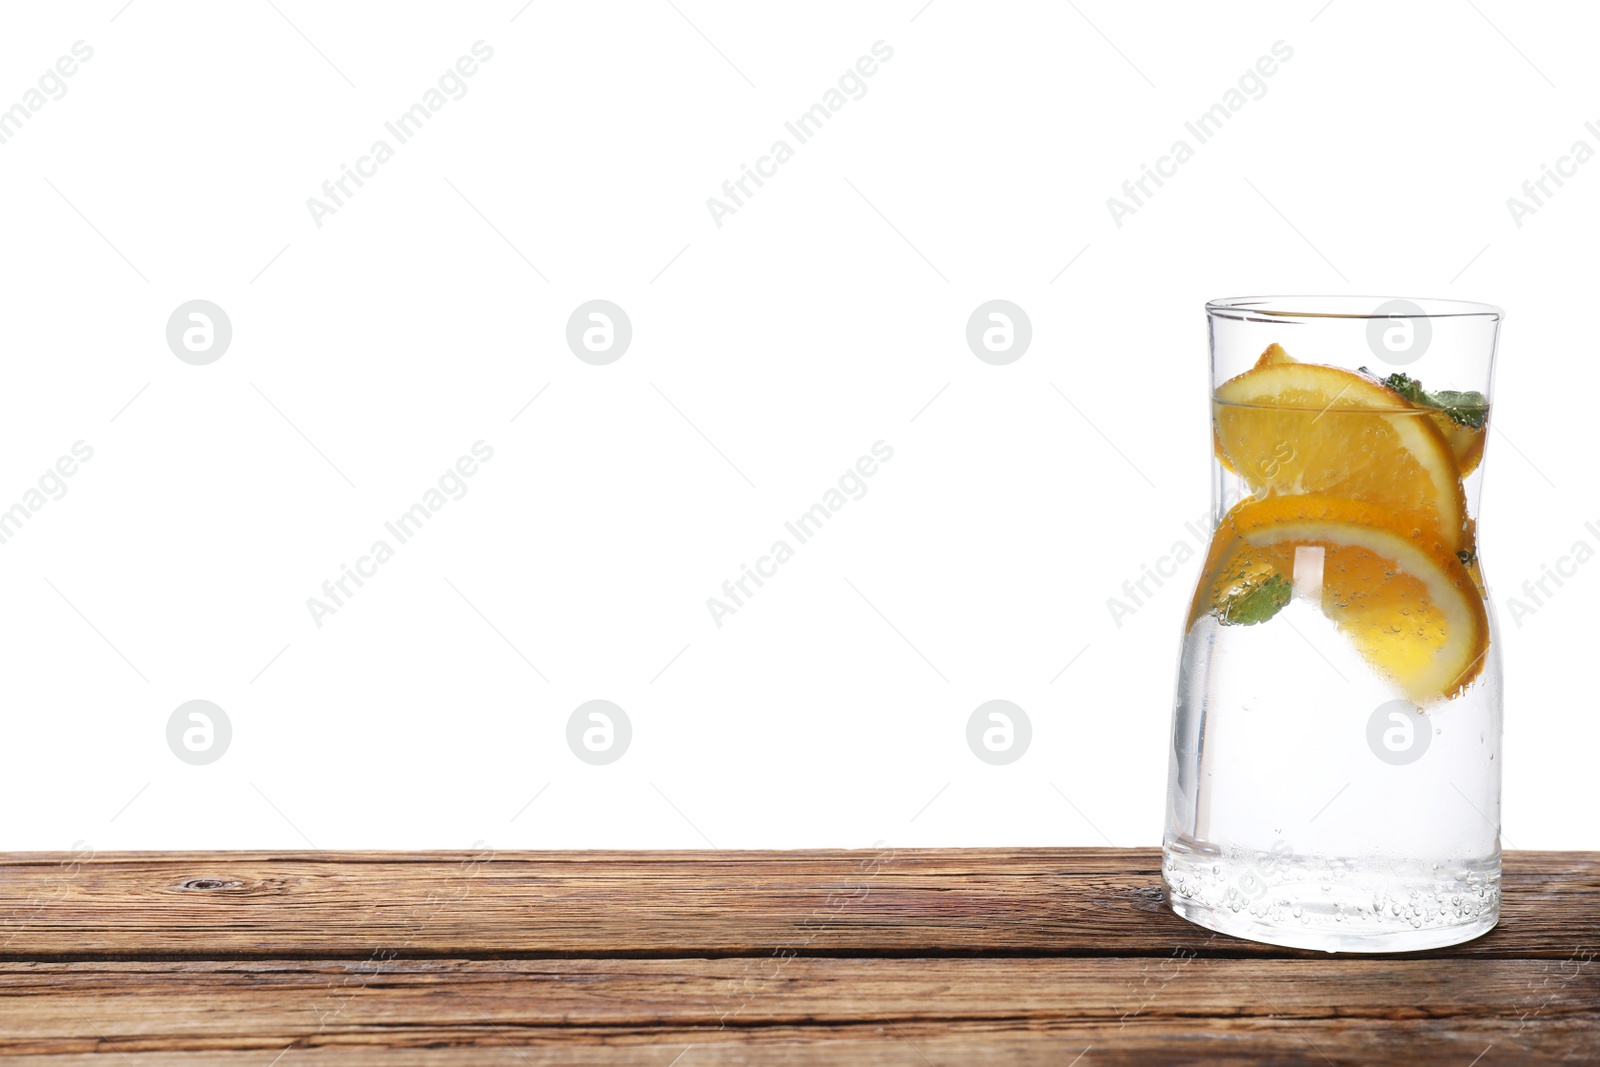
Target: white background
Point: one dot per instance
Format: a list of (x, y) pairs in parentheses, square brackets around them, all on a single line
[(768, 354)]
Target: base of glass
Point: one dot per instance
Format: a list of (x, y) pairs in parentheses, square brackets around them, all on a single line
[(1332, 906)]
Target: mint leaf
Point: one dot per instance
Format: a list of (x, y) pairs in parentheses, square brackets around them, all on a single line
[(1464, 407), (1256, 603)]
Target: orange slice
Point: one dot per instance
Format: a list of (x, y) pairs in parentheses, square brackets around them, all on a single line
[(1412, 611), (1293, 428), (1274, 354), (1465, 441)]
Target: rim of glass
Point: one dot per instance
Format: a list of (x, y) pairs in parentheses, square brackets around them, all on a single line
[(1276, 308)]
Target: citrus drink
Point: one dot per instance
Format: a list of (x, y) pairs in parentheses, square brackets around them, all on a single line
[(1335, 762)]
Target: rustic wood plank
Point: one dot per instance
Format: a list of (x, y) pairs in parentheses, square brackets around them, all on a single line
[(671, 904), (938, 902), (1411, 1045), (921, 957), (806, 1010)]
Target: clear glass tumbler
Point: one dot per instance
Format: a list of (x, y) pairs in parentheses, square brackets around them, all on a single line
[(1335, 773)]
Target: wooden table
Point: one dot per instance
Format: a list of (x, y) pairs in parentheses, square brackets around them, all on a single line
[(683, 959)]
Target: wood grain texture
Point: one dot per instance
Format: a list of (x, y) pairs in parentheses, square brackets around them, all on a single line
[(686, 959), (1044, 1006), (1036, 902)]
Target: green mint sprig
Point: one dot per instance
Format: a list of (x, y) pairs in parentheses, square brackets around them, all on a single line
[(1464, 407), (1255, 603)]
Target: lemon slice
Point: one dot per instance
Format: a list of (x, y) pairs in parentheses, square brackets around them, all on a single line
[(1414, 613), (1294, 428)]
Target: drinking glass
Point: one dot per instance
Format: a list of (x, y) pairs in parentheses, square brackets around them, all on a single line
[(1335, 772)]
